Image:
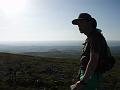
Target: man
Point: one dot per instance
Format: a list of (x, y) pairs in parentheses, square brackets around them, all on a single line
[(94, 49)]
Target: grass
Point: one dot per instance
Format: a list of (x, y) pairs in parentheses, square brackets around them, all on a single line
[(23, 72)]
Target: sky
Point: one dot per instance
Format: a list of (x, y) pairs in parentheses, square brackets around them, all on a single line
[(50, 20)]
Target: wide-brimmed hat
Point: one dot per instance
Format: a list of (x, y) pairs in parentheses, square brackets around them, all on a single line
[(83, 16)]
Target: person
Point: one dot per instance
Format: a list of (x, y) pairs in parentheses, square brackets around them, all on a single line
[(89, 77)]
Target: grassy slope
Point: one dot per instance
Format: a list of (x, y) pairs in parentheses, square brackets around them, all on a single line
[(22, 72)]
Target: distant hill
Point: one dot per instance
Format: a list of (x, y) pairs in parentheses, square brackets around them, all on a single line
[(56, 53), (67, 52), (25, 47), (115, 50)]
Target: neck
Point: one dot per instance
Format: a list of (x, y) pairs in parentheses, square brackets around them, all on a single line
[(90, 31)]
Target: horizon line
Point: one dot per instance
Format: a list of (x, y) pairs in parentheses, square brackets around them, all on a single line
[(49, 40)]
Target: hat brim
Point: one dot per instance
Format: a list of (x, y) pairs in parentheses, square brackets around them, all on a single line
[(76, 21)]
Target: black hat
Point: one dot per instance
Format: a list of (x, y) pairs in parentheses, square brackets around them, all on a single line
[(82, 16)]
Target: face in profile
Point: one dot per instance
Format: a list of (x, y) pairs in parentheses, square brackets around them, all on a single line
[(83, 26)]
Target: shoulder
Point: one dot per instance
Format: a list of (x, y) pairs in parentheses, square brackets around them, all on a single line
[(96, 41), (96, 37)]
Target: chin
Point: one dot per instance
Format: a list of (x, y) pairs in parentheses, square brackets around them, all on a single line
[(81, 32)]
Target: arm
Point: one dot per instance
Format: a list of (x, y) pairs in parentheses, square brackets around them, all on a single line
[(94, 58), (91, 67), (92, 64)]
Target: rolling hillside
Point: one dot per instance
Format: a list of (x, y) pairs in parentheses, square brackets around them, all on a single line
[(24, 72)]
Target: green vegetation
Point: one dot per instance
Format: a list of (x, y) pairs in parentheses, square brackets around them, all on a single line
[(23, 72)]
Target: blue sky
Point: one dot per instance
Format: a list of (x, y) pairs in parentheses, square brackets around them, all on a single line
[(50, 20)]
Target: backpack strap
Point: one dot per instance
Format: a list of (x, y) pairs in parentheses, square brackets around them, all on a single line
[(84, 59), (85, 53)]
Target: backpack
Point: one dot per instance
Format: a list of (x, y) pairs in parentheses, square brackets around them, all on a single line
[(107, 62)]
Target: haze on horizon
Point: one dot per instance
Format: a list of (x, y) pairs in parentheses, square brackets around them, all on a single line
[(50, 20)]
